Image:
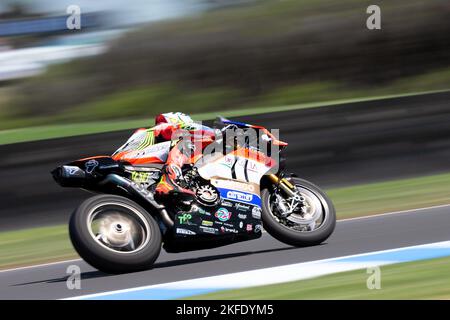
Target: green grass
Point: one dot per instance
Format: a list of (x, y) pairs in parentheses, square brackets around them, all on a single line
[(33, 133), (391, 196), (33, 246), (427, 279), (39, 245)]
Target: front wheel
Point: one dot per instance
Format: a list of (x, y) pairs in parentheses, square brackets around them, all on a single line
[(115, 234), (306, 224)]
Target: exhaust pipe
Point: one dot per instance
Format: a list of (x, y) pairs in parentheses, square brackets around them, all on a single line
[(69, 176), (141, 192)]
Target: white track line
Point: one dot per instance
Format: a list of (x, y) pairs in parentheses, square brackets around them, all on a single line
[(278, 274), (40, 265), (340, 220), (393, 212)]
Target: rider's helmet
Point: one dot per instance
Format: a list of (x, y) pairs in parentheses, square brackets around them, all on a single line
[(176, 118)]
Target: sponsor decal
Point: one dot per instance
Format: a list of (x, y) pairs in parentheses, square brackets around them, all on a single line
[(240, 196), (204, 212), (220, 223), (225, 229), (199, 210), (256, 212), (185, 231), (185, 217), (242, 207), (251, 166), (241, 224), (227, 162), (227, 203), (223, 214), (73, 171), (249, 228), (235, 185), (242, 216), (208, 229), (140, 177), (257, 228), (207, 223), (91, 165)]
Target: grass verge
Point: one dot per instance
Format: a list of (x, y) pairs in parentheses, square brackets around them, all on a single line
[(427, 279), (40, 245)]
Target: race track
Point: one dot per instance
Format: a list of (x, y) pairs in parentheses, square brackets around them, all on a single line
[(351, 237)]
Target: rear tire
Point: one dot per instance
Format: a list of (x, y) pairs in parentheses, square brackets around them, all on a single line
[(300, 238), (99, 255)]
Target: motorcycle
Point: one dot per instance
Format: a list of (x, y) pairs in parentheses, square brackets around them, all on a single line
[(237, 194)]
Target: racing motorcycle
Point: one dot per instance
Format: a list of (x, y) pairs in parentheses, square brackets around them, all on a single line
[(124, 227)]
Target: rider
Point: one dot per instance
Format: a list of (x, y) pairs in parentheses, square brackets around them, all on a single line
[(167, 125), (172, 172)]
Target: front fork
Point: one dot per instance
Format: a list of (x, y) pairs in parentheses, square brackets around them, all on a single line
[(283, 184), (290, 190)]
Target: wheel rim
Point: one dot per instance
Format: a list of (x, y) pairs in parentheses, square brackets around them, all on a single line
[(313, 218), (118, 227)]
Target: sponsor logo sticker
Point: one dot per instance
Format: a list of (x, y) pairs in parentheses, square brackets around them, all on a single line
[(223, 214), (140, 177), (257, 228), (242, 207), (227, 203), (91, 165), (200, 210), (207, 223), (185, 217), (235, 185), (220, 223), (241, 224), (242, 216), (208, 229), (246, 197), (249, 228), (256, 212), (225, 229), (185, 231)]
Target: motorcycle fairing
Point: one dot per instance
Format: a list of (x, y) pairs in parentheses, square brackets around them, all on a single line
[(236, 176), (149, 154), (241, 165), (228, 222)]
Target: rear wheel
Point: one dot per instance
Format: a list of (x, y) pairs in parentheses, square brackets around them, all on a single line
[(305, 225), (115, 234)]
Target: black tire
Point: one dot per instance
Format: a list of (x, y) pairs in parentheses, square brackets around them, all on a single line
[(106, 260), (297, 238)]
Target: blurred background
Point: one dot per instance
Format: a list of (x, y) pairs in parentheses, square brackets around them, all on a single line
[(197, 55), (365, 111)]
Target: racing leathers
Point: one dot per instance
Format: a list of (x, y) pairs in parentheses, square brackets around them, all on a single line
[(183, 142)]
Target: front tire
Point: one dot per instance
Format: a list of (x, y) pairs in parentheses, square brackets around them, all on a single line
[(298, 238), (115, 235)]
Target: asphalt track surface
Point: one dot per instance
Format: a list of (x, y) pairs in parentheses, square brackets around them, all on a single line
[(351, 236)]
